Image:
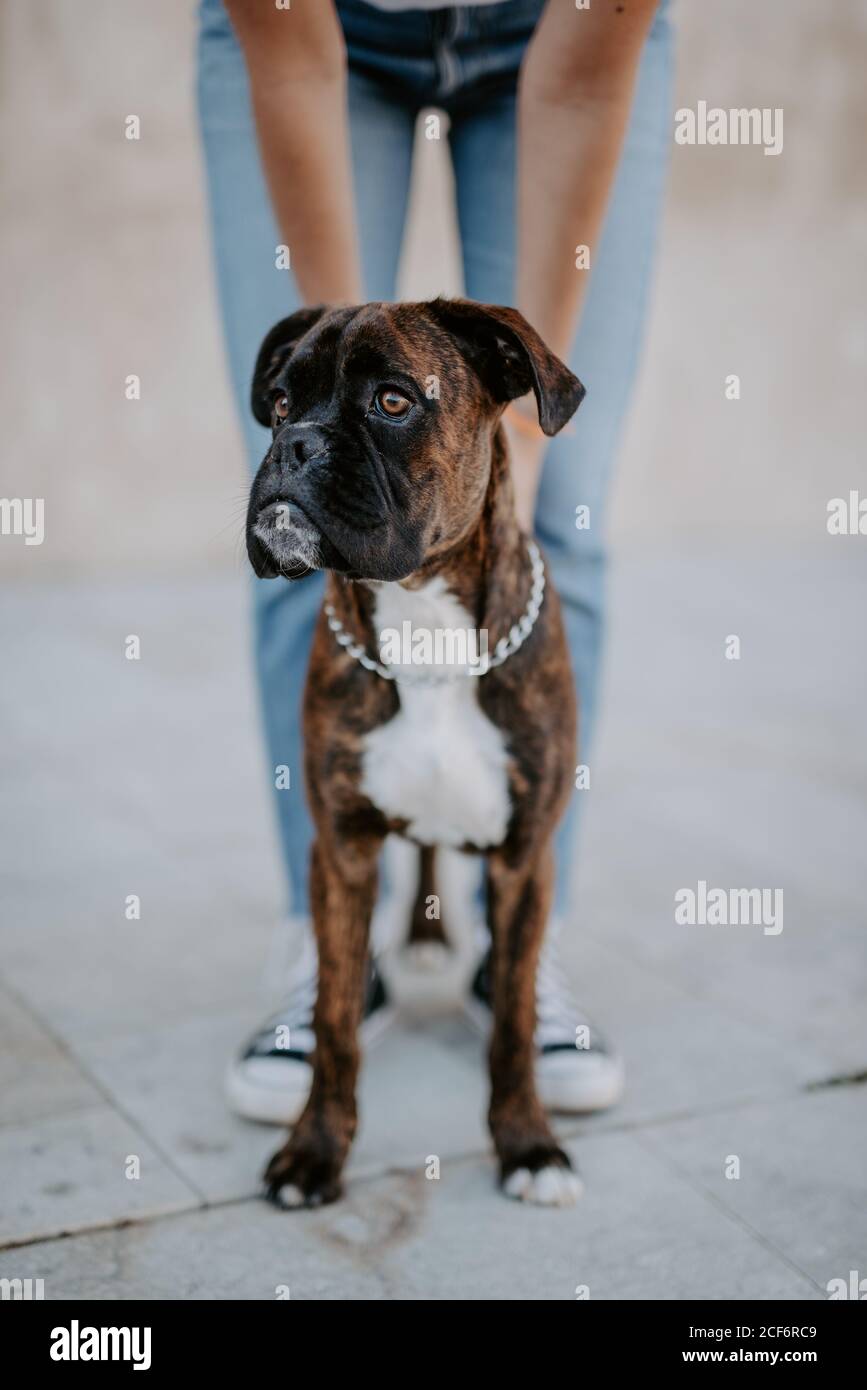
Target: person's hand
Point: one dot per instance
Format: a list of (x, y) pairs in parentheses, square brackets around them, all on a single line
[(526, 445)]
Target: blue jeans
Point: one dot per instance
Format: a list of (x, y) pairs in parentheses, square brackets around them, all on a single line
[(464, 60)]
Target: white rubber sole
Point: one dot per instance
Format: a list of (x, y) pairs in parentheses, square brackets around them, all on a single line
[(579, 1083), (271, 1090)]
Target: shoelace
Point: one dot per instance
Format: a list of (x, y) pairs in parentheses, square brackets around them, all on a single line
[(557, 1015), (295, 1015)]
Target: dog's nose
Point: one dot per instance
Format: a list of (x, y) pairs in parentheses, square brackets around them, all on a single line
[(298, 444)]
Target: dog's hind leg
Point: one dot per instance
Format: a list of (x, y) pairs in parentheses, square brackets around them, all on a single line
[(426, 926), (533, 1167), (306, 1171)]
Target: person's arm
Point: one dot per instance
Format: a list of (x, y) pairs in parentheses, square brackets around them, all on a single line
[(296, 62), (575, 94)]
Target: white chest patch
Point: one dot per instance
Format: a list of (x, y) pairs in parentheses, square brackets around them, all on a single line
[(440, 763)]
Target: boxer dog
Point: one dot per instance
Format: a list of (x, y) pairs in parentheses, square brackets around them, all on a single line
[(388, 469)]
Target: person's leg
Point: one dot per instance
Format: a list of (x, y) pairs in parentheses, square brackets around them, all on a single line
[(270, 1078), (579, 464), (605, 355), (253, 294)]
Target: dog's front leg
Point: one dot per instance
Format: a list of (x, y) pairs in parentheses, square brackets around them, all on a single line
[(533, 1167), (306, 1171)]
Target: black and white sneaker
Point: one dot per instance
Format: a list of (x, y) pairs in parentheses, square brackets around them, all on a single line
[(270, 1078), (576, 1072)]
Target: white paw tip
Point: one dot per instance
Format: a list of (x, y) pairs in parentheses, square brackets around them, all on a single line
[(290, 1196), (427, 957), (549, 1187)]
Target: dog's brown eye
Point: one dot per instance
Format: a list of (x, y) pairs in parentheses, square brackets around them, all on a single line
[(281, 407), (392, 403)]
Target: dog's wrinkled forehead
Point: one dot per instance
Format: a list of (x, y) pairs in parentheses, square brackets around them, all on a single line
[(456, 352), (312, 366), (377, 341)]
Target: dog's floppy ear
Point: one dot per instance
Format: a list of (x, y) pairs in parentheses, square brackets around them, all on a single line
[(511, 358), (278, 346)]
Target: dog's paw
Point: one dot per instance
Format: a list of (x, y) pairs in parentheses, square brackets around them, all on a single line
[(426, 957), (549, 1187), (542, 1176), (303, 1175)]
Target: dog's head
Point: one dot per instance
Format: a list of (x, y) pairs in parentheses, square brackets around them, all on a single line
[(383, 418)]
